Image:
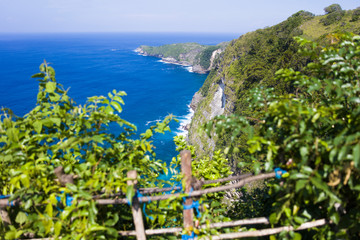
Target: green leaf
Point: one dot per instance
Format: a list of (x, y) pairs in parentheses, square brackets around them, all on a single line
[(356, 155), (335, 217), (57, 228), (304, 153), (273, 218), (117, 106), (56, 121), (318, 183), (130, 193), (297, 236), (21, 218), (300, 184), (96, 228), (37, 126), (298, 176), (50, 87), (49, 210)]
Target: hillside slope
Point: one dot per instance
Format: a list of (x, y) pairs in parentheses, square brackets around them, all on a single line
[(251, 61)]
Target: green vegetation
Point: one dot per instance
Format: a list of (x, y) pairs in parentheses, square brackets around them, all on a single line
[(334, 14), (56, 133), (333, 8), (314, 135), (177, 51), (355, 15), (252, 61), (247, 62), (205, 56), (59, 151)]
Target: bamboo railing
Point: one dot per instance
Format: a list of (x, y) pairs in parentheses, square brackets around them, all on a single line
[(188, 221)]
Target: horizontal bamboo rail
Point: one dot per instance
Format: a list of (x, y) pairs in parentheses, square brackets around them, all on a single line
[(242, 222), (4, 202), (168, 189), (241, 183), (267, 232), (197, 193), (257, 233)]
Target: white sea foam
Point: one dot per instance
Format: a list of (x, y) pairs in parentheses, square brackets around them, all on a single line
[(184, 121), (162, 61), (189, 68), (114, 49)]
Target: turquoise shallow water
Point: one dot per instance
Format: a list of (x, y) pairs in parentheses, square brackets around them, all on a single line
[(95, 64)]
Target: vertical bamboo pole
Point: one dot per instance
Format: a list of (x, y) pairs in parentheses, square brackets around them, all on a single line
[(135, 208), (186, 170)]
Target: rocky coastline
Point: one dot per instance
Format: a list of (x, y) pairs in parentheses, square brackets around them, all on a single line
[(187, 59), (171, 60)]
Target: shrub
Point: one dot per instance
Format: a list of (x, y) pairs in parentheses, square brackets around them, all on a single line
[(315, 135), (77, 141), (332, 17), (356, 15), (332, 8)]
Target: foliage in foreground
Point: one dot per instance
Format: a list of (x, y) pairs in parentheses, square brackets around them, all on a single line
[(95, 161), (315, 135)]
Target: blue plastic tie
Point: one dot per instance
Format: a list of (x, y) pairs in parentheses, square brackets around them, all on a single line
[(4, 196), (68, 201), (188, 237), (139, 195), (11, 203), (277, 170), (195, 205)]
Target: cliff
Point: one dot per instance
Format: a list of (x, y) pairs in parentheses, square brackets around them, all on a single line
[(251, 61), (200, 57)]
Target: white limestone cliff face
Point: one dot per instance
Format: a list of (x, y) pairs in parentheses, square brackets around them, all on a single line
[(213, 57), (217, 105), (206, 109)]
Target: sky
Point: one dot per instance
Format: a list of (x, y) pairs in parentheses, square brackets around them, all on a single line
[(221, 16)]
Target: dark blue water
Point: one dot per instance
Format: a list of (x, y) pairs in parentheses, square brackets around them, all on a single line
[(95, 64)]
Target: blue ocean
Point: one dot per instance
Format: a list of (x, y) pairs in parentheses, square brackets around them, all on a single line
[(95, 64)]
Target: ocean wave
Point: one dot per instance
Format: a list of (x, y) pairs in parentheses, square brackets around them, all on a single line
[(184, 122), (189, 68)]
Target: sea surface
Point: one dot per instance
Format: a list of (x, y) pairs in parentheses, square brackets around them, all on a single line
[(95, 64)]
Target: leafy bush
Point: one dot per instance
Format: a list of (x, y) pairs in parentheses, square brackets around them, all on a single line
[(332, 8), (332, 17), (315, 135), (356, 15), (92, 161)]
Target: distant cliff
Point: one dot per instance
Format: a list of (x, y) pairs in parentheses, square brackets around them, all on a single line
[(200, 57)]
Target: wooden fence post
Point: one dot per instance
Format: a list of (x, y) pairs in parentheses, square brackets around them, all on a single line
[(186, 170), (4, 217), (135, 208)]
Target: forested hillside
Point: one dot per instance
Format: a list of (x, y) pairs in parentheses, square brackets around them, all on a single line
[(251, 61)]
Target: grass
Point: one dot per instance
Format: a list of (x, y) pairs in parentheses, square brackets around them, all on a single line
[(313, 29)]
